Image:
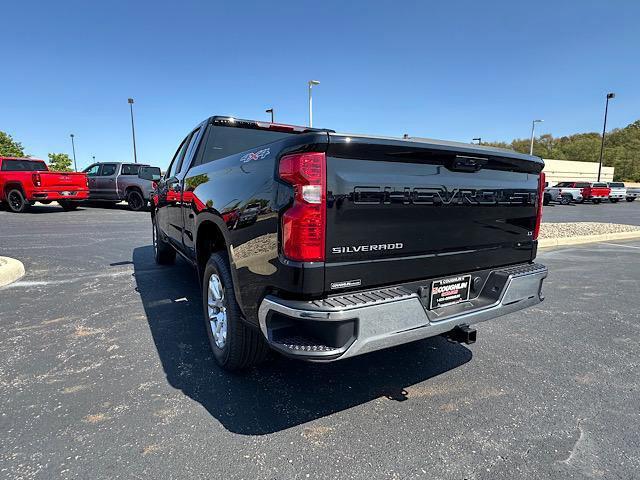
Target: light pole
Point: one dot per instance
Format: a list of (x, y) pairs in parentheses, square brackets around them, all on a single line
[(604, 130), (73, 147), (533, 129), (133, 132), (311, 84), (270, 110), (479, 140)]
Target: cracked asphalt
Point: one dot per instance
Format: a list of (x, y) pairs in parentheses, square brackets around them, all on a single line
[(105, 373)]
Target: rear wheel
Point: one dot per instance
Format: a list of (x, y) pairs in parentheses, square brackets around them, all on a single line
[(565, 200), (613, 200), (135, 200), (163, 253), (17, 202), (235, 345), (67, 205), (596, 201)]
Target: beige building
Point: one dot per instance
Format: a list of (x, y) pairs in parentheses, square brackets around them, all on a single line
[(566, 170)]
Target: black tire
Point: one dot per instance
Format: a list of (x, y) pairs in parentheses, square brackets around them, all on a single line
[(630, 199), (16, 201), (67, 205), (565, 199), (243, 346), (613, 200), (163, 253), (135, 200), (596, 201)]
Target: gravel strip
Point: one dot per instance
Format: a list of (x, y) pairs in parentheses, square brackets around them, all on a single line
[(576, 229)]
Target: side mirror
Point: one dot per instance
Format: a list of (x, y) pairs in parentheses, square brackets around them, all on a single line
[(153, 174)]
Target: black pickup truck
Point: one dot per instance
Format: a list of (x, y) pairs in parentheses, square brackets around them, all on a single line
[(323, 246)]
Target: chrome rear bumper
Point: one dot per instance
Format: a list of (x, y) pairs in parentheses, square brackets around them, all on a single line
[(392, 316)]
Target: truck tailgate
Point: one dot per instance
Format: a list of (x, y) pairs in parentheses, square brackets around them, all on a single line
[(399, 211), (57, 181)]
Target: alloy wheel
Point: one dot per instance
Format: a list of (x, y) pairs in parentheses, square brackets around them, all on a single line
[(217, 310)]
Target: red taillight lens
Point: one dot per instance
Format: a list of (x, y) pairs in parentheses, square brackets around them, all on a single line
[(541, 183), (154, 185), (304, 223), (36, 179)]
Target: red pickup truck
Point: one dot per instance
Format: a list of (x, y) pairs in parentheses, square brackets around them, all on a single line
[(596, 192), (24, 181)]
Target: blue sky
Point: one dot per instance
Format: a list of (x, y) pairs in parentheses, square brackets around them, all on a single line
[(453, 70)]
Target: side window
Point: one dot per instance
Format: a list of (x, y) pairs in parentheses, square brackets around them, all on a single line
[(130, 169), (190, 151), (108, 169), (92, 171), (177, 158)]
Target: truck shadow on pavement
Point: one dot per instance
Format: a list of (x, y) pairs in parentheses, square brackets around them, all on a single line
[(279, 393)]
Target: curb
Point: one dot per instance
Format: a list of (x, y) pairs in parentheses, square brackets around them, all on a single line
[(10, 270), (577, 240)]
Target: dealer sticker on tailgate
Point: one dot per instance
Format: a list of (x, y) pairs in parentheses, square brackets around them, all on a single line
[(449, 291)]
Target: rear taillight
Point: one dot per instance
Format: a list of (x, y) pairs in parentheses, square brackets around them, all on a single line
[(36, 179), (154, 185), (541, 183), (304, 223), (86, 181)]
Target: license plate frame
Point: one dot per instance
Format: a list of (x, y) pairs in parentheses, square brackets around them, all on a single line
[(447, 294)]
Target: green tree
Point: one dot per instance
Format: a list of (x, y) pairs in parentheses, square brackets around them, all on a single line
[(622, 149), (59, 162), (9, 147)]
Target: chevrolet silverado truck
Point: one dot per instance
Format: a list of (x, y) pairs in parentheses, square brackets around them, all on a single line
[(618, 191), (112, 182), (354, 244), (596, 192), (24, 181)]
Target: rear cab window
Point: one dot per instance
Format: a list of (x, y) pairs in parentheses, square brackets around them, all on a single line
[(599, 185), (225, 141), (616, 185), (23, 166)]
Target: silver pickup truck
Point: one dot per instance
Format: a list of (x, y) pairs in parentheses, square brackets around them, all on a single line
[(633, 193), (115, 181)]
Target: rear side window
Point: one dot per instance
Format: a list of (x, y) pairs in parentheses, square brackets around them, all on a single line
[(226, 141), (23, 165), (130, 169), (189, 151), (108, 169)]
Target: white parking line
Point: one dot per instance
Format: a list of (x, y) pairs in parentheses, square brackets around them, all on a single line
[(618, 245)]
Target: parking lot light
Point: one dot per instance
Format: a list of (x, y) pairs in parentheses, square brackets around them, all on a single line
[(270, 110), (133, 131), (311, 84), (604, 130), (73, 147), (533, 130)]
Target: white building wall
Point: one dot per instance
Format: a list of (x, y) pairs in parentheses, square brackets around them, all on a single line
[(566, 170)]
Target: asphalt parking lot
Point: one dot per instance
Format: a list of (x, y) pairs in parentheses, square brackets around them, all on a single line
[(621, 212), (105, 372)]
